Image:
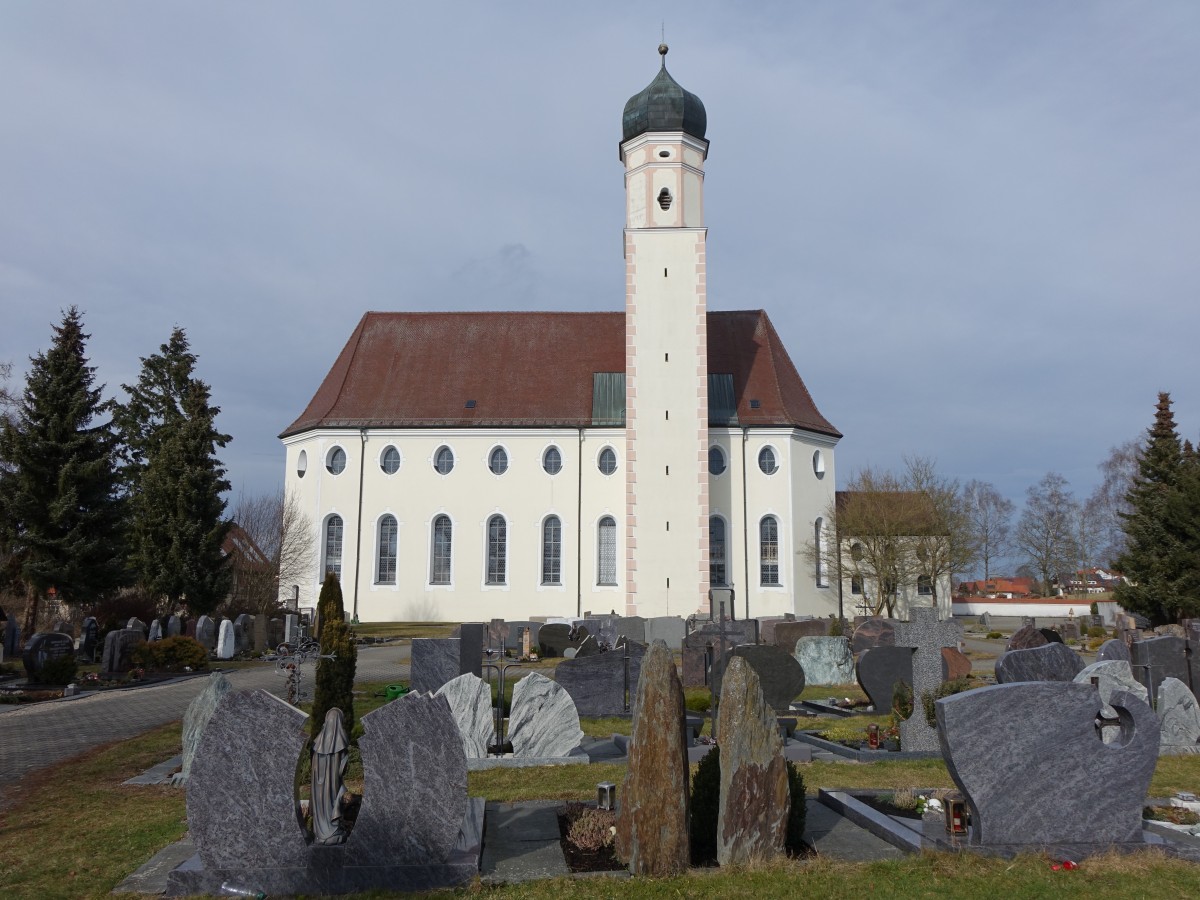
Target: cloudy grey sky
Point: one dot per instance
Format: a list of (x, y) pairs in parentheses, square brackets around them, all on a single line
[(974, 224)]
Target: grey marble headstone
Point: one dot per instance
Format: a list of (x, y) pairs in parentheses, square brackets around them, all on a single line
[(766, 626), (243, 633), (1028, 761), (543, 722), (1180, 718), (825, 660), (291, 628), (117, 645), (155, 631), (1069, 631), (43, 648), (737, 631), (197, 716), (1158, 658), (597, 683), (1113, 649), (1112, 676), (986, 620), (225, 645), (434, 662), (632, 627), (928, 636), (62, 626), (12, 638), (780, 675), (137, 623), (90, 638), (1025, 637), (206, 633), (668, 629), (470, 701), (588, 647), (174, 626), (787, 633), (241, 793), (1050, 662), (415, 784)]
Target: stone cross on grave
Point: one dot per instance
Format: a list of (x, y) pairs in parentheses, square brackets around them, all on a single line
[(927, 636)]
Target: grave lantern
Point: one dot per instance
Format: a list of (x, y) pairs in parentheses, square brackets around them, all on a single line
[(956, 816), (606, 795), (873, 736)]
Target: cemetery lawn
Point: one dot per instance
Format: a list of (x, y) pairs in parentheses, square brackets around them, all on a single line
[(407, 630), (75, 831)]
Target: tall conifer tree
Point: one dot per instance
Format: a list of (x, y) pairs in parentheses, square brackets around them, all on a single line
[(60, 510), (1151, 558), (175, 480)]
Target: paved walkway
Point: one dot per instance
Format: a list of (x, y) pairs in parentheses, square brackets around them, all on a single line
[(42, 734)]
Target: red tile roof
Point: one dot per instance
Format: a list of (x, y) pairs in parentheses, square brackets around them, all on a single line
[(404, 369)]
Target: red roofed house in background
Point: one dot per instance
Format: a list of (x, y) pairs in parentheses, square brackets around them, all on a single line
[(470, 466)]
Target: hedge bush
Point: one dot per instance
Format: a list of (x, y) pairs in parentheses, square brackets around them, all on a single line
[(58, 671), (171, 654)]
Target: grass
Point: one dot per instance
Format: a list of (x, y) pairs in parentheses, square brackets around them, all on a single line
[(404, 629), (606, 727)]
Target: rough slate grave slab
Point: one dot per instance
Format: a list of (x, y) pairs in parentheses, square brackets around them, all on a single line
[(924, 632), (825, 660), (415, 784), (632, 627), (668, 629), (1027, 758), (1050, 662), (241, 794), (780, 675), (597, 683)]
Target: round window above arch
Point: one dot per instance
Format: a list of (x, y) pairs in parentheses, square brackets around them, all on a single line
[(552, 461), (716, 460), (607, 461), (389, 461), (767, 461), (498, 461), (818, 464), (301, 463), (335, 462), (443, 460)]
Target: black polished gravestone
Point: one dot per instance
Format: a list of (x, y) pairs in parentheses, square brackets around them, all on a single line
[(90, 639), (1158, 658), (43, 648), (1034, 772), (779, 674), (879, 668), (604, 684), (117, 645), (556, 637), (1051, 636)]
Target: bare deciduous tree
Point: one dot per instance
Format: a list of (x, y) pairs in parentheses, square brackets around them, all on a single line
[(989, 517), (1048, 530), (285, 534), (1104, 508)]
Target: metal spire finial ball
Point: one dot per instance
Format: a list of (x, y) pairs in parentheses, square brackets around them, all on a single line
[(662, 49)]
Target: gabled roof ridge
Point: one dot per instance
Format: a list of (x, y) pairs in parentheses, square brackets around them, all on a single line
[(777, 342)]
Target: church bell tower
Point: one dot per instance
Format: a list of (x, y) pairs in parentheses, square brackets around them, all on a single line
[(663, 149)]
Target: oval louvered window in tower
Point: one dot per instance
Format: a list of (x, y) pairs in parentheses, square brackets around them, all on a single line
[(664, 198)]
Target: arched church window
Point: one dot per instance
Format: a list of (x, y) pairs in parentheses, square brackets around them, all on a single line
[(606, 563), (497, 552), (439, 566), (552, 550), (768, 551), (385, 567), (333, 546), (717, 573)]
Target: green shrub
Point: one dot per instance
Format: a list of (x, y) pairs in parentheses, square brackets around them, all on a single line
[(1097, 631), (705, 808), (902, 701), (798, 814), (837, 627), (335, 677), (993, 635), (697, 702), (58, 671), (945, 689), (1095, 608), (172, 654)]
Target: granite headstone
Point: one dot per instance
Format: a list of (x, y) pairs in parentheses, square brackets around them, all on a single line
[(668, 629), (206, 633), (825, 660), (434, 661), (1111, 677), (117, 646), (1180, 718), (1158, 658), (43, 648), (90, 639), (927, 635), (1114, 649), (1053, 661), (1025, 637), (470, 701), (874, 632), (226, 648), (781, 677), (604, 684), (196, 717), (543, 722)]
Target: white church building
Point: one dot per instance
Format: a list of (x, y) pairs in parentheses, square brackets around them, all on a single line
[(637, 460)]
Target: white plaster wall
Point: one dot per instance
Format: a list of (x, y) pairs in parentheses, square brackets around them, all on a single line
[(470, 494)]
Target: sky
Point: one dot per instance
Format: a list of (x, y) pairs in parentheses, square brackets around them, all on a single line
[(975, 225)]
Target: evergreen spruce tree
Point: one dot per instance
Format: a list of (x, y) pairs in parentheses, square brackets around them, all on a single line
[(1181, 521), (175, 481), (60, 509), (1152, 554), (335, 677)]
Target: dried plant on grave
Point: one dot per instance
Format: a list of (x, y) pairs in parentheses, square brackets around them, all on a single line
[(590, 829)]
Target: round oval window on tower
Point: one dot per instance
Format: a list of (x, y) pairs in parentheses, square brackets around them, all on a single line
[(766, 461), (498, 461), (608, 461), (390, 462), (336, 462)]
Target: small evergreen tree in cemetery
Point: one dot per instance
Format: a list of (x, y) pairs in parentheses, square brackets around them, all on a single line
[(175, 481), (335, 677), (60, 508), (1161, 527)]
